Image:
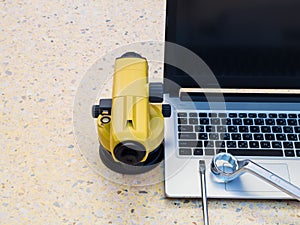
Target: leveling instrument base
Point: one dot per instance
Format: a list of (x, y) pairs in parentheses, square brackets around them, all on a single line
[(153, 159)]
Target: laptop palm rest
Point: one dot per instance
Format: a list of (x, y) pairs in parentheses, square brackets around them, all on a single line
[(245, 182)]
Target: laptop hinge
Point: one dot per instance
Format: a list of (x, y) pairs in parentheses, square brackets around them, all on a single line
[(236, 95)]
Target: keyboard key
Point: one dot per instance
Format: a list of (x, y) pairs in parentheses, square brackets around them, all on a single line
[(270, 122), (276, 144), (298, 153), (185, 151), (297, 144), (242, 115), (258, 121), (265, 129), (182, 121), (220, 144), (288, 129), (182, 114), (193, 121), (272, 115), (209, 151), (202, 114), (254, 144), (187, 136), (221, 128), (281, 122), (247, 136), (289, 153), (222, 115), (255, 152), (237, 121), (252, 115), (265, 144), (232, 115), (191, 144), (258, 137), (288, 144), (297, 129), (281, 137), (232, 129), (236, 136), (213, 115), (193, 115), (248, 121), (292, 137), (185, 128), (269, 136), (254, 129), (226, 121), (210, 129), (231, 144), (209, 144), (204, 121), (282, 115), (199, 128), (215, 121), (243, 129), (292, 122), (243, 144), (276, 129), (225, 136), (213, 136), (220, 150), (262, 115), (223, 121), (202, 136), (198, 151), (292, 115)]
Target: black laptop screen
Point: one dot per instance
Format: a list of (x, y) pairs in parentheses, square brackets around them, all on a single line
[(246, 43)]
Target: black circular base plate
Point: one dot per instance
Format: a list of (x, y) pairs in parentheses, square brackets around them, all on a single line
[(153, 159)]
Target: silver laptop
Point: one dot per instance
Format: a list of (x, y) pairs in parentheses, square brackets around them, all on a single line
[(247, 103)]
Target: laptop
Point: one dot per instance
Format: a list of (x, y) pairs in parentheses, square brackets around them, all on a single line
[(245, 99)]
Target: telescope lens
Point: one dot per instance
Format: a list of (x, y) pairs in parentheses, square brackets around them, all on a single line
[(130, 152)]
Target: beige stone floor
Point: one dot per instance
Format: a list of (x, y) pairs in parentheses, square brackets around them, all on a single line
[(46, 48)]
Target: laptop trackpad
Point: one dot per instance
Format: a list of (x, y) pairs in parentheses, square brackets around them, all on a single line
[(250, 183)]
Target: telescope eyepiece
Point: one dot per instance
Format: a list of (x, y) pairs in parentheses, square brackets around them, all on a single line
[(130, 152)]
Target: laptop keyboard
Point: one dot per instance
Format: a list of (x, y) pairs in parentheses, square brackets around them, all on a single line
[(239, 133)]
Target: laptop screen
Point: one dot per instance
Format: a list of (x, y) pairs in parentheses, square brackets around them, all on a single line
[(246, 43)]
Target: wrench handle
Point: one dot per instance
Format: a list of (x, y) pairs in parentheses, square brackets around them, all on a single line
[(273, 179)]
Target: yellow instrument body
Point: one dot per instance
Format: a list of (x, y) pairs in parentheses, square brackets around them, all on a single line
[(132, 117)]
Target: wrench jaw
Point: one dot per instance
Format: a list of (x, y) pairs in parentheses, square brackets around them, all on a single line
[(226, 167)]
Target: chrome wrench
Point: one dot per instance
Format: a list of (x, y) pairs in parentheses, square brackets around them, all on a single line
[(226, 167)]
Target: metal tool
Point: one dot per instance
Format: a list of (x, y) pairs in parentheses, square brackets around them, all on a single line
[(226, 167), (203, 191)]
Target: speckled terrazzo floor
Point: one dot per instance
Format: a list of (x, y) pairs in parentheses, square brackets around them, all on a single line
[(46, 47)]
